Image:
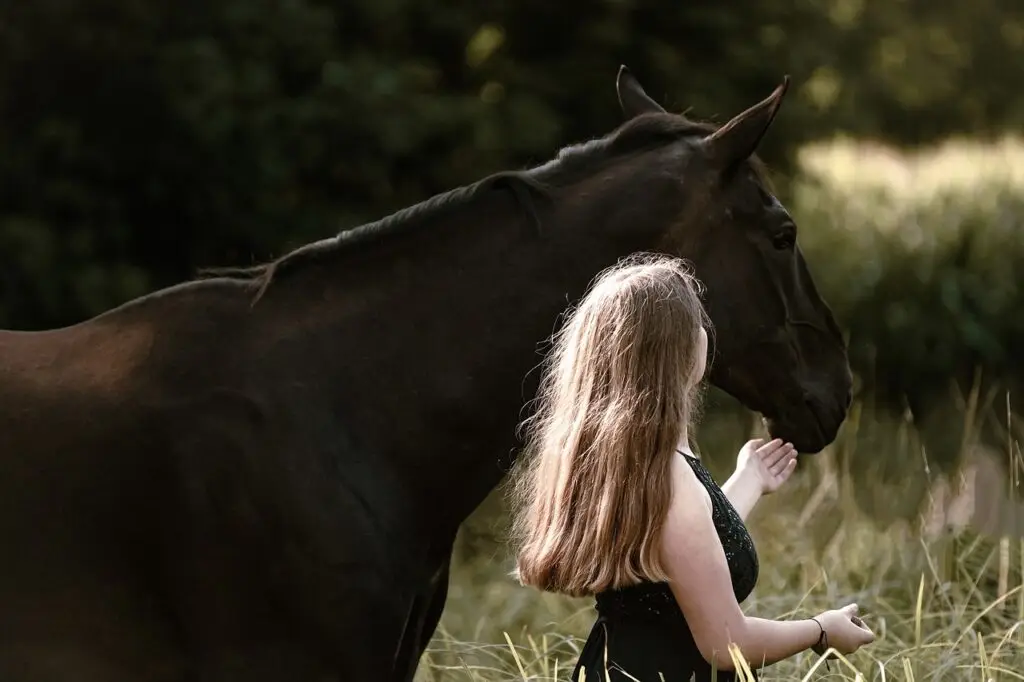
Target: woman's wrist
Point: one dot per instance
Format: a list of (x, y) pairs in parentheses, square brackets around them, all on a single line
[(821, 644), (751, 476), (743, 489)]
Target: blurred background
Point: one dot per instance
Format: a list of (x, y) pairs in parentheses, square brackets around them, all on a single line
[(141, 141)]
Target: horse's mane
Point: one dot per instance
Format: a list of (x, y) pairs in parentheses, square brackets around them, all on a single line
[(638, 134)]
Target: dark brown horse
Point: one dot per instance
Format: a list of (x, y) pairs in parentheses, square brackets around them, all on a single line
[(259, 475)]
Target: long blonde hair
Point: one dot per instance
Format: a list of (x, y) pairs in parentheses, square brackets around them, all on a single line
[(592, 487)]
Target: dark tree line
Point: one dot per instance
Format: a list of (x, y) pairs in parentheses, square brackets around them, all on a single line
[(139, 140)]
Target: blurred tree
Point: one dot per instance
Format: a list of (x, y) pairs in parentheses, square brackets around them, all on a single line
[(139, 141)]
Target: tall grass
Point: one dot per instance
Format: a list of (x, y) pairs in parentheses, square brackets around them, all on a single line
[(947, 604)]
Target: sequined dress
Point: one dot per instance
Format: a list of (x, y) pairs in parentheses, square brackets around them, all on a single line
[(641, 628)]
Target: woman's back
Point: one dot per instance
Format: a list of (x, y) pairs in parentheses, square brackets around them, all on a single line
[(641, 629)]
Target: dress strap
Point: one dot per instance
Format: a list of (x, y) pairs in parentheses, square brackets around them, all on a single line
[(688, 457)]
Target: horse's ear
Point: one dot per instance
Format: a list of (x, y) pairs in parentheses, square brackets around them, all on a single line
[(738, 139), (632, 98)]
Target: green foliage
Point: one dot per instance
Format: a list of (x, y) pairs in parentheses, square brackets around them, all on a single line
[(141, 141), (918, 255)]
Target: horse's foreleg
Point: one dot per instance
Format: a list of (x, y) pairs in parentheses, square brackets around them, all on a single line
[(424, 615)]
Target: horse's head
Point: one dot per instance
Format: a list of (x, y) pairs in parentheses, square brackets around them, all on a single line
[(777, 346)]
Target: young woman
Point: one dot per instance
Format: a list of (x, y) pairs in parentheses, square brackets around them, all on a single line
[(611, 500)]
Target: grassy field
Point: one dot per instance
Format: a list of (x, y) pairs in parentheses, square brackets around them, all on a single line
[(946, 604)]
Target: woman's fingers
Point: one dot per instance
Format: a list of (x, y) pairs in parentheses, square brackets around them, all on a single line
[(786, 461), (770, 451), (774, 452), (788, 468), (768, 446)]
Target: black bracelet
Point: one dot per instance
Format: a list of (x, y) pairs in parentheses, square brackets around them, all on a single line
[(822, 643)]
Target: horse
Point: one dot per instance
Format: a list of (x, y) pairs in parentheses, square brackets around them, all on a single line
[(258, 474)]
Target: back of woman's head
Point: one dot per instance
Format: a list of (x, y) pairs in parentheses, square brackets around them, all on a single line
[(620, 384)]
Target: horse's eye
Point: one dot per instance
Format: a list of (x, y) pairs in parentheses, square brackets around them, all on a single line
[(784, 241)]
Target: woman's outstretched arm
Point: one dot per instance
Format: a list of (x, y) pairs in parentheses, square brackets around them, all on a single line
[(761, 468), (743, 490)]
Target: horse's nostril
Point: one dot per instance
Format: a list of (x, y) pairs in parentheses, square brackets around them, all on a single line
[(817, 409)]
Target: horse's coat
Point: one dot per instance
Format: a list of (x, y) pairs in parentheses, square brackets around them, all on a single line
[(210, 484)]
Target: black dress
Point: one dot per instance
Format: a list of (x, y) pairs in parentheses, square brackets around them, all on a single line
[(641, 629)]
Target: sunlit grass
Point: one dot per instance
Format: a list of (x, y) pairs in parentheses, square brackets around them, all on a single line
[(945, 604), (957, 165), (936, 603)]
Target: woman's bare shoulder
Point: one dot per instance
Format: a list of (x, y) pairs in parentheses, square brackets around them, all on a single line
[(689, 496)]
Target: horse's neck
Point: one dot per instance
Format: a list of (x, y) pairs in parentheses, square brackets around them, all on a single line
[(433, 346)]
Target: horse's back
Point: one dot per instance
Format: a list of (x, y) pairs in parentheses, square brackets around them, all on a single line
[(63, 392), (80, 488), (142, 526)]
